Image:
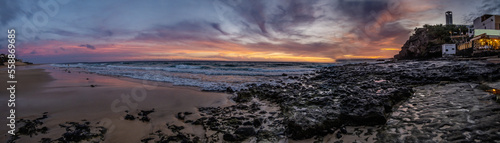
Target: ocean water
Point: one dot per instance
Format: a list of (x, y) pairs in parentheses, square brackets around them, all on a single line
[(211, 76)]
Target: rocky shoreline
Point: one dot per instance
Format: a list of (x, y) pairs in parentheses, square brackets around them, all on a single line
[(334, 97), (455, 112)]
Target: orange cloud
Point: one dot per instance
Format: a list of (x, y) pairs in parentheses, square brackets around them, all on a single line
[(195, 50)]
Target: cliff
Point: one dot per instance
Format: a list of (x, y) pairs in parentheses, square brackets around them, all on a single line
[(426, 42)]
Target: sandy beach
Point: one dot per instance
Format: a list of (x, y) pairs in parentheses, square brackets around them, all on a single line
[(69, 97)]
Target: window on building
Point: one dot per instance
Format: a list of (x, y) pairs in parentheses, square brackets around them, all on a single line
[(446, 50), (452, 48)]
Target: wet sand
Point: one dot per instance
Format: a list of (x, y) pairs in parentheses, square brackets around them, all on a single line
[(70, 97)]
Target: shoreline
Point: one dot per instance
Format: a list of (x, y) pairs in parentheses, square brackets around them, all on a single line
[(348, 96)]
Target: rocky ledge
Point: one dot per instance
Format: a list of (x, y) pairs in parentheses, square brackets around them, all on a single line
[(457, 112), (334, 97)]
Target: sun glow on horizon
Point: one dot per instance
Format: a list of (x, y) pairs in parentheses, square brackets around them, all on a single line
[(363, 57)]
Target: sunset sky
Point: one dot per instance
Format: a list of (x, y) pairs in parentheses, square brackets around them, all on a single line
[(58, 31)]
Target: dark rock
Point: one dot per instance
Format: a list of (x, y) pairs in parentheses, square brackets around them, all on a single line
[(229, 90), (146, 140), (338, 135), (234, 122), (32, 127), (422, 121), (77, 132), (229, 137), (145, 119), (245, 131), (143, 115), (299, 131), (343, 130), (370, 115), (198, 122), (247, 123), (175, 128), (146, 112), (46, 140), (243, 96), (180, 116), (129, 117), (265, 135), (257, 122)]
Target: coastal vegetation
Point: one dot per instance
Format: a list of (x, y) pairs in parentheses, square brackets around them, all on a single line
[(426, 42)]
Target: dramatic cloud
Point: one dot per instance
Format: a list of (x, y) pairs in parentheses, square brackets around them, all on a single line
[(486, 7), (88, 46), (251, 11), (362, 11), (490, 7), (9, 10), (216, 26), (253, 30), (186, 30)]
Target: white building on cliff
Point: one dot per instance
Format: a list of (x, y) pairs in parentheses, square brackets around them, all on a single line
[(448, 50)]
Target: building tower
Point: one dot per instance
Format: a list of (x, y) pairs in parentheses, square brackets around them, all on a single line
[(449, 18)]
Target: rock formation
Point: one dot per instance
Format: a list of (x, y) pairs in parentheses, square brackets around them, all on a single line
[(426, 42)]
